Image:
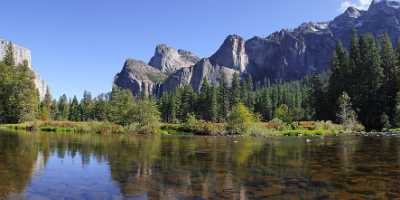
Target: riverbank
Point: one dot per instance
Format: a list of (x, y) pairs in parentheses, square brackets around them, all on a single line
[(67, 127), (263, 129), (202, 128)]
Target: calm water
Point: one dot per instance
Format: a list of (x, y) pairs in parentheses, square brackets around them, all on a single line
[(58, 166)]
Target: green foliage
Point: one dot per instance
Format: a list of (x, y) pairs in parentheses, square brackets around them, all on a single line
[(9, 58), (282, 113), (120, 104), (62, 108), (18, 94), (346, 114), (240, 120), (144, 117), (74, 113)]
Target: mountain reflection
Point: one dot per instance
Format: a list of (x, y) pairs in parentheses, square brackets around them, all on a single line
[(53, 166)]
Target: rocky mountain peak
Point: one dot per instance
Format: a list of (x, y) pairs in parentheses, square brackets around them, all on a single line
[(289, 54), (139, 77), (385, 7), (232, 53), (352, 12), (169, 60)]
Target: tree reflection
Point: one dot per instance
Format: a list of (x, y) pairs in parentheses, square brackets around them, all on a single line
[(215, 167)]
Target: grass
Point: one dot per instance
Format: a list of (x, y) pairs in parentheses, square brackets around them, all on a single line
[(67, 127), (197, 127)]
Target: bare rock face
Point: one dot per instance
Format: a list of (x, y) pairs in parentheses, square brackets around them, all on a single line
[(168, 60), (139, 77), (290, 55), (231, 54), (22, 54), (194, 76), (283, 55)]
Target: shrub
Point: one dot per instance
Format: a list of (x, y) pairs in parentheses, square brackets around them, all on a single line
[(240, 120)]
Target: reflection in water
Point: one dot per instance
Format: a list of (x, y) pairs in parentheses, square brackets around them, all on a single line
[(61, 166)]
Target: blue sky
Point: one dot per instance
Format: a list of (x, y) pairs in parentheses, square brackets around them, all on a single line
[(80, 45)]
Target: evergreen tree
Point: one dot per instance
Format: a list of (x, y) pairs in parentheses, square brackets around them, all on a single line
[(86, 106), (223, 98), (235, 90), (317, 98), (20, 95), (213, 104), (390, 74), (368, 99), (188, 102), (396, 120), (203, 103), (9, 57), (338, 81), (45, 106), (74, 113), (121, 103), (100, 108), (62, 107)]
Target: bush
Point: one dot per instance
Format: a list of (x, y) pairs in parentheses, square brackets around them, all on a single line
[(278, 124), (240, 120)]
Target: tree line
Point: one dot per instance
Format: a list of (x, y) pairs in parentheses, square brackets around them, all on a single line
[(286, 101), (363, 84), (367, 77)]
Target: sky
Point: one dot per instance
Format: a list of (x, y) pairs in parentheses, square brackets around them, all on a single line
[(80, 45)]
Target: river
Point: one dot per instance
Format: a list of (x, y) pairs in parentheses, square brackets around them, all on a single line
[(68, 166)]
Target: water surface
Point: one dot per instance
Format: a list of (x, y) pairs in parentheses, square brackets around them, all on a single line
[(64, 166)]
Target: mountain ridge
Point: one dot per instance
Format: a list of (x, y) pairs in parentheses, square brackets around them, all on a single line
[(284, 55)]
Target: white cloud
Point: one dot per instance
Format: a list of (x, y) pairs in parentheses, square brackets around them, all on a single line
[(360, 4)]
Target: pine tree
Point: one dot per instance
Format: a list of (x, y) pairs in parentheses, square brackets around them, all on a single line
[(9, 57), (235, 90), (86, 106), (213, 104), (338, 81), (390, 74), (62, 106), (317, 98), (188, 102), (396, 120), (100, 108), (203, 103), (368, 99), (121, 103), (45, 106), (223, 98), (74, 113)]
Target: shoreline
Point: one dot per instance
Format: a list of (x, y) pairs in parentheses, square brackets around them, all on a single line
[(209, 129)]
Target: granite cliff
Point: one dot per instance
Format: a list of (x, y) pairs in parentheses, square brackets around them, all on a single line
[(22, 54), (281, 56)]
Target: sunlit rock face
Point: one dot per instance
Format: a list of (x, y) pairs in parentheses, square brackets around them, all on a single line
[(283, 55), (231, 54), (21, 55), (139, 77), (168, 59)]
